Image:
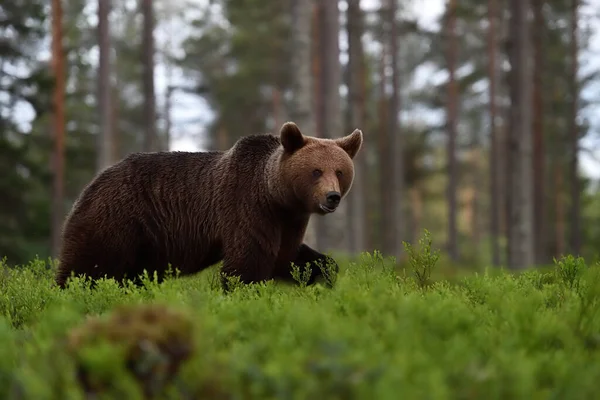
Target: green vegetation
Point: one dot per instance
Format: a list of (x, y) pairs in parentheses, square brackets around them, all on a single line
[(381, 332)]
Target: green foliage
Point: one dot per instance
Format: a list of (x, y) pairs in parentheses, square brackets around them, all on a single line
[(22, 91), (373, 335), (569, 270), (302, 277), (239, 57), (422, 263), (329, 271)]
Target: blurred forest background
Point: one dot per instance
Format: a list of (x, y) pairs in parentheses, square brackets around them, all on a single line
[(481, 117)]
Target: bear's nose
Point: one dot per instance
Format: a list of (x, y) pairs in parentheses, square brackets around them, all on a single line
[(333, 199)]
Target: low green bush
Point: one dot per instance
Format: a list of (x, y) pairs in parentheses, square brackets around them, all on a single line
[(379, 333)]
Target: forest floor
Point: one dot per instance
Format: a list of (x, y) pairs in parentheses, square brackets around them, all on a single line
[(379, 333)]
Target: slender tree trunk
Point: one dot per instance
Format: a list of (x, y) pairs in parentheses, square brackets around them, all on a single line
[(396, 143), (416, 196), (58, 67), (386, 142), (105, 107), (538, 135), (331, 117), (494, 175), (385, 165), (477, 184), (560, 211), (358, 223), (318, 48), (277, 111), (574, 134), (304, 60), (168, 107), (452, 109), (520, 227), (150, 137), (114, 126), (222, 138)]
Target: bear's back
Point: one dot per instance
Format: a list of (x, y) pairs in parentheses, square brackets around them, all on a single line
[(144, 183), (255, 149)]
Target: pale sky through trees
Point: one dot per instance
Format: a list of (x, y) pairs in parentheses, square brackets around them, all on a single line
[(190, 108), (190, 114)]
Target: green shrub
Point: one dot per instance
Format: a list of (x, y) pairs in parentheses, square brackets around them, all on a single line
[(375, 333)]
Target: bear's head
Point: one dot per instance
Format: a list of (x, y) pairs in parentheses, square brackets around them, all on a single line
[(317, 173)]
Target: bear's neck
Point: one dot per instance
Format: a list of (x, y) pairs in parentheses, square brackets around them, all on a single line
[(272, 177), (281, 194)]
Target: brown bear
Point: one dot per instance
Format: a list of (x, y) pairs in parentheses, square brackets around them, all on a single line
[(248, 206)]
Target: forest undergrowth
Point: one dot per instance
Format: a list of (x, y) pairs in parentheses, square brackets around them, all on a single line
[(381, 332)]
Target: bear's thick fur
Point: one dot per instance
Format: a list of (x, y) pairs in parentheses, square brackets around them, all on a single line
[(248, 206)]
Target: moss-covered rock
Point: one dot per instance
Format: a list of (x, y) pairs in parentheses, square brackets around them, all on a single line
[(150, 342)]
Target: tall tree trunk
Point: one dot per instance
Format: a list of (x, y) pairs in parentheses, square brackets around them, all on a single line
[(416, 216), (494, 175), (58, 67), (150, 139), (277, 109), (386, 143), (520, 227), (452, 110), (318, 52), (384, 163), (115, 147), (105, 107), (538, 135), (477, 184), (168, 119), (575, 242), (302, 112), (560, 211), (330, 124), (396, 143), (223, 142), (358, 223)]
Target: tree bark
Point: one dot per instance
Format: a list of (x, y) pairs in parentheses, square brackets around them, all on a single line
[(304, 60), (475, 199), (316, 224), (277, 109), (575, 242), (494, 176), (386, 140), (538, 135), (396, 143), (105, 139), (58, 67), (416, 215), (332, 236), (452, 110), (520, 226), (384, 162), (168, 119), (560, 211), (150, 139), (358, 223)]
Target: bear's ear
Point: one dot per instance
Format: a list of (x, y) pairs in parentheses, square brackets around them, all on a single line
[(291, 137), (351, 143)]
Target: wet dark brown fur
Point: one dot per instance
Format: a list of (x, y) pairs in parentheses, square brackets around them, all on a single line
[(248, 206)]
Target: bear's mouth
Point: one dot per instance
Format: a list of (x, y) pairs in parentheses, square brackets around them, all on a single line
[(326, 209)]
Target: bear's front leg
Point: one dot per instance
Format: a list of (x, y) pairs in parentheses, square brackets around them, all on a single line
[(317, 263), (249, 261)]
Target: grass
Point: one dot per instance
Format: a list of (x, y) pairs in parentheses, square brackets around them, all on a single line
[(380, 333)]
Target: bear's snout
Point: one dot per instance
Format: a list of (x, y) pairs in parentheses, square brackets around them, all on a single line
[(333, 199)]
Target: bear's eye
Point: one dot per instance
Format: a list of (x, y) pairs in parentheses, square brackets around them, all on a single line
[(338, 173), (317, 173)]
